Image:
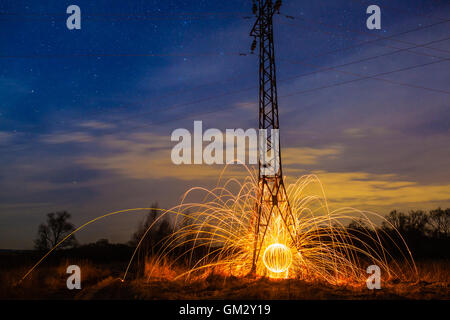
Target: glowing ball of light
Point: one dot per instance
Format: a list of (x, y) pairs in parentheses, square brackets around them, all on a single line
[(277, 258)]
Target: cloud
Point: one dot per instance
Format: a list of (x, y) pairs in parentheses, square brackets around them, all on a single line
[(146, 156), (380, 191), (61, 138), (96, 125), (22, 205), (302, 156), (248, 105), (5, 137), (363, 132)]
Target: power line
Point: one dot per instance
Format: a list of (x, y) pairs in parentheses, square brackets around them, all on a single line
[(367, 77), (190, 115), (362, 77), (119, 19), (378, 38), (165, 95), (283, 96), (405, 11), (335, 68), (131, 14), (198, 101), (83, 55), (374, 41), (326, 69), (172, 107)]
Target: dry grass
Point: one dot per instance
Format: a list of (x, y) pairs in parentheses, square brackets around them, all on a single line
[(434, 271), (48, 282), (159, 270), (102, 282)]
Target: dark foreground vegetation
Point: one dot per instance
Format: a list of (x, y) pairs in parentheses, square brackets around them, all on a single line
[(103, 264), (101, 280)]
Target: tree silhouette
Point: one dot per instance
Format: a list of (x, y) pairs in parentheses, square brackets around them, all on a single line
[(417, 222), (427, 234), (153, 237), (439, 220), (55, 230), (399, 221)]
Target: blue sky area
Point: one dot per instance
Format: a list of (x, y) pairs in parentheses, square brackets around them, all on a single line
[(86, 115)]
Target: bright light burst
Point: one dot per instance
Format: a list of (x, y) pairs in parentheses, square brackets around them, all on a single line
[(277, 258), (218, 234)]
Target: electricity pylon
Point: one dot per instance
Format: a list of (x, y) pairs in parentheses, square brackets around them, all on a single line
[(272, 197)]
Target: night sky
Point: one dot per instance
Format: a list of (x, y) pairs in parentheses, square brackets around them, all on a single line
[(86, 115)]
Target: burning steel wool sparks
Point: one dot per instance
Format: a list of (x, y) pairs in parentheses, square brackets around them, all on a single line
[(318, 246), (277, 258), (217, 236)]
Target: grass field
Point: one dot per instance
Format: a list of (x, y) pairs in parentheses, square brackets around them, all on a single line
[(102, 281)]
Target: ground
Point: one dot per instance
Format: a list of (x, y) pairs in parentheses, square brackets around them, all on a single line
[(102, 281)]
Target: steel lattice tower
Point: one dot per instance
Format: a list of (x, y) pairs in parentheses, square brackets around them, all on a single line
[(272, 196)]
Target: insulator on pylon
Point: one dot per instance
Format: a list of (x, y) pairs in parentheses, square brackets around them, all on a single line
[(254, 8), (277, 6), (252, 49)]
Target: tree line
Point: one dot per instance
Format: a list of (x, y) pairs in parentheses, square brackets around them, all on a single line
[(426, 233)]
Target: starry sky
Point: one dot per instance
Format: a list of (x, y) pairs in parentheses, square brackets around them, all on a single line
[(86, 115)]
